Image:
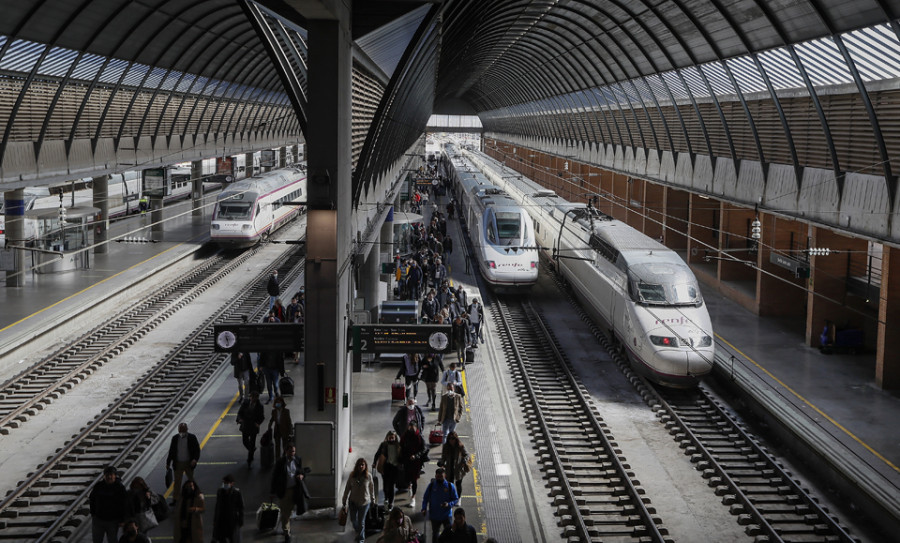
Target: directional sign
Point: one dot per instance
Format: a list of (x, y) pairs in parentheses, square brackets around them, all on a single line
[(402, 338), (257, 338)]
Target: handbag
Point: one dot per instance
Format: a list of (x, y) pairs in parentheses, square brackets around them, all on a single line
[(342, 517), (379, 464), (146, 520), (159, 506)]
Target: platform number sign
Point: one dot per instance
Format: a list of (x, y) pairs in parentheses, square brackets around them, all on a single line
[(402, 338)]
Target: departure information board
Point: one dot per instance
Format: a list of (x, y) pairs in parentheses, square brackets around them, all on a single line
[(402, 338), (257, 338)]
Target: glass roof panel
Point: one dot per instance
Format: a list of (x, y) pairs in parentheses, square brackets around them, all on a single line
[(747, 75), (57, 62), (88, 67), (21, 56), (718, 78), (823, 63), (780, 67)]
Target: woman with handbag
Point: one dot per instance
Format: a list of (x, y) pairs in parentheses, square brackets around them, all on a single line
[(455, 460), (360, 492), (138, 506), (387, 462), (413, 453)]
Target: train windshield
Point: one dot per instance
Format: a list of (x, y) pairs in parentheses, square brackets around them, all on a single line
[(509, 227), (664, 283), (233, 211)]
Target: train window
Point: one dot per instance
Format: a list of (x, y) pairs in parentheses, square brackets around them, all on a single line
[(605, 249), (233, 210), (509, 226), (491, 234)]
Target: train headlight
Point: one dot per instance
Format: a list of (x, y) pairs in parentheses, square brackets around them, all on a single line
[(663, 341), (215, 226), (245, 227), (491, 264), (705, 341)]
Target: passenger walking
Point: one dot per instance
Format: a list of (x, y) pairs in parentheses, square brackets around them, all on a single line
[(451, 410), (452, 377), (413, 453), (272, 366), (184, 453), (387, 462), (398, 528), (455, 460), (430, 306), (414, 280), (437, 503), (273, 288), (430, 373), (289, 487), (229, 513), (278, 311), (459, 531), (108, 501), (461, 339), (360, 493), (281, 425), (188, 523), (476, 317), (138, 504), (250, 417), (242, 367), (130, 533), (410, 413), (410, 370), (448, 245)]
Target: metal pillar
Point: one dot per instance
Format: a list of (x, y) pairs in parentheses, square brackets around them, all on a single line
[(371, 277), (248, 164), (328, 268), (14, 207), (282, 157), (101, 224), (197, 188), (156, 214)]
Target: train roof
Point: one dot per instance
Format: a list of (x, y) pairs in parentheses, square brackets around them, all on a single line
[(264, 183)]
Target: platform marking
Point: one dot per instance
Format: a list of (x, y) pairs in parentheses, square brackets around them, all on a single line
[(813, 407), (23, 319), (476, 483), (209, 435)]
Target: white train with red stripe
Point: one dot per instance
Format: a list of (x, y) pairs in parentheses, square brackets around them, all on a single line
[(642, 291), (251, 210)]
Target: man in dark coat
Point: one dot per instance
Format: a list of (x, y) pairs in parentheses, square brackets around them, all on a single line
[(290, 488), (249, 418), (108, 507), (184, 453), (273, 288), (459, 531), (229, 515)]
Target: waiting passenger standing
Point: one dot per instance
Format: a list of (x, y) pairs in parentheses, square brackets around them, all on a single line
[(451, 410), (288, 486), (229, 513), (281, 425), (410, 413), (242, 368), (360, 493), (273, 288), (108, 501), (438, 502), (250, 417), (387, 463), (188, 525), (184, 453)]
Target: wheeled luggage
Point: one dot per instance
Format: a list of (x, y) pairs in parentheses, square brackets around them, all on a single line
[(267, 450), (286, 386), (375, 514), (256, 382), (436, 436), (267, 517), (398, 391), (470, 355)]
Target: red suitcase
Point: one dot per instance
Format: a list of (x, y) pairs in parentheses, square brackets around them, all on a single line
[(398, 391), (436, 437)]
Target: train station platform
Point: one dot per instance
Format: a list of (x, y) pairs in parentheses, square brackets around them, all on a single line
[(829, 401)]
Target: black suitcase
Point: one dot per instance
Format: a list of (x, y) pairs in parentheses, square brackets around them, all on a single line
[(375, 515), (267, 517), (256, 382), (470, 355), (286, 386)]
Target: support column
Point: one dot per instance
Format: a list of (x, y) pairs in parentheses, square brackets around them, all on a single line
[(197, 188), (887, 360), (282, 157), (101, 224), (248, 164), (371, 276), (329, 235), (14, 206)]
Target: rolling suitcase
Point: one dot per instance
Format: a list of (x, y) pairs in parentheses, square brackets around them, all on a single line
[(375, 515), (267, 517), (256, 382), (470, 355), (436, 436), (398, 391), (286, 386), (266, 450)]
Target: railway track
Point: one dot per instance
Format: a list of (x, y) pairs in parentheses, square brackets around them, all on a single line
[(590, 483), (50, 504), (765, 498), (32, 390)]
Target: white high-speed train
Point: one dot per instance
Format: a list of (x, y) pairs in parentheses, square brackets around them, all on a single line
[(644, 292), (501, 232), (250, 210)]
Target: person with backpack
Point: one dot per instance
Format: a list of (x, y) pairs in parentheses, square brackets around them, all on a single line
[(438, 502)]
